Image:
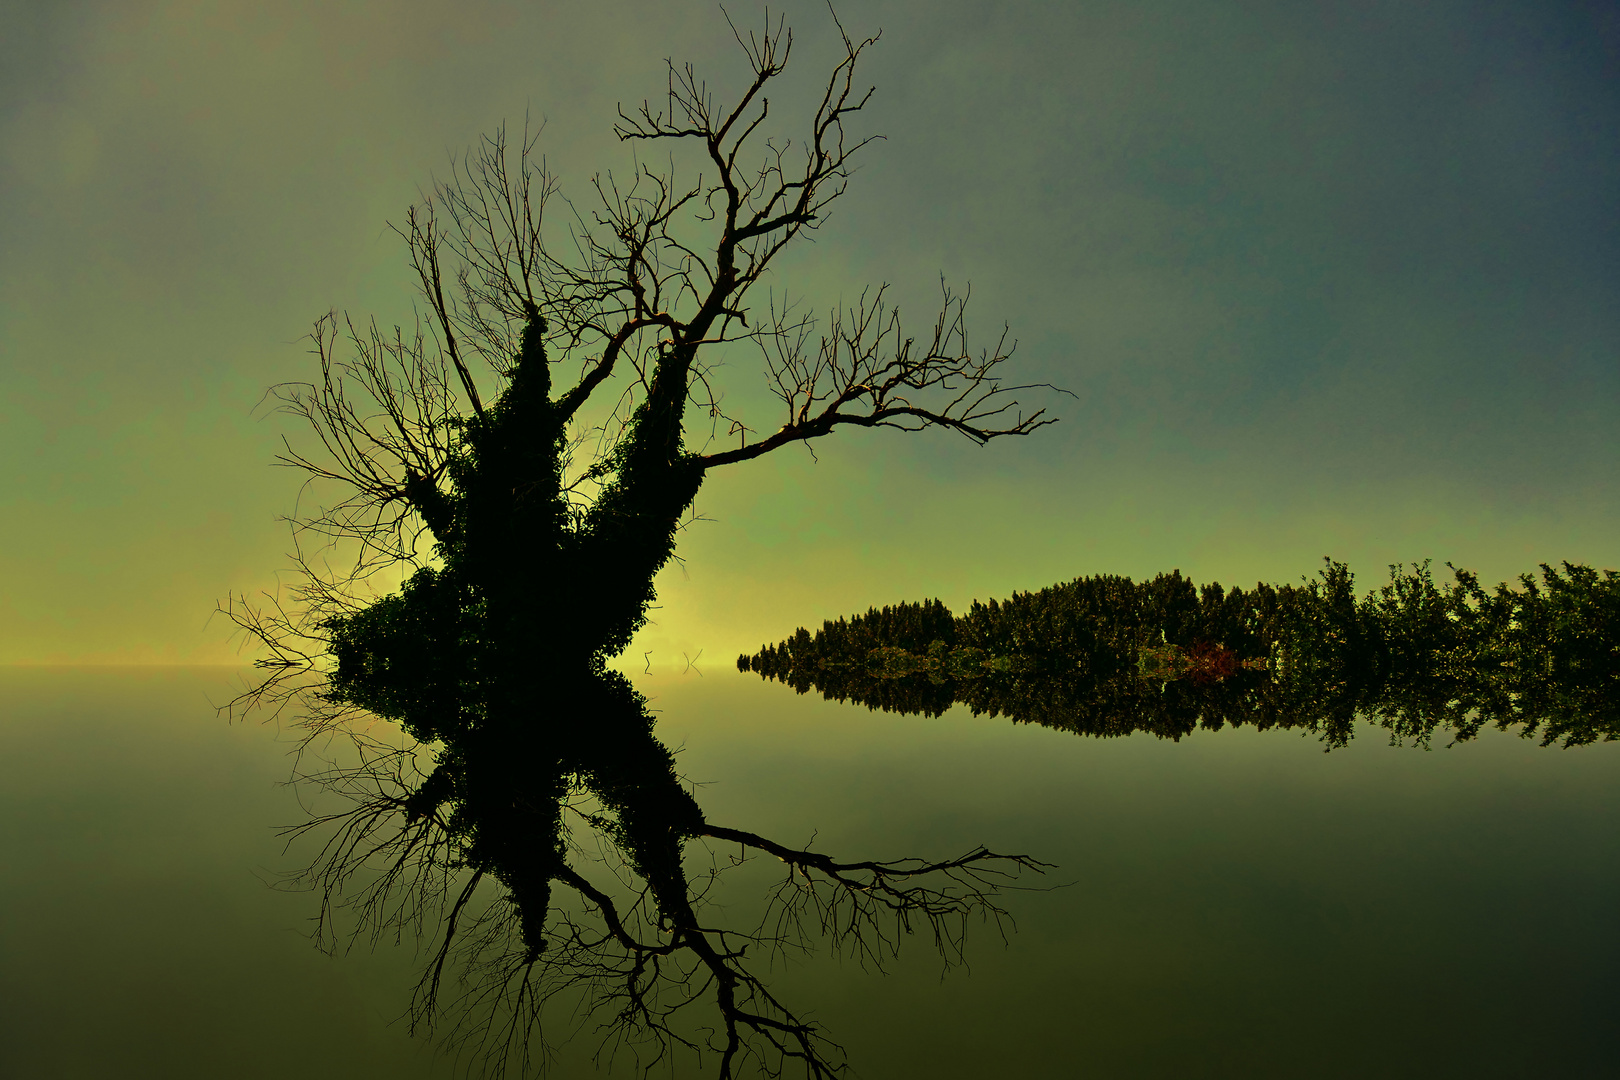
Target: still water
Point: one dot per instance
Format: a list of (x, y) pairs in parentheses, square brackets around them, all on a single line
[(1238, 904)]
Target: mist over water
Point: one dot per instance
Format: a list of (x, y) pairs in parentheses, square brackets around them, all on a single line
[(1237, 903)]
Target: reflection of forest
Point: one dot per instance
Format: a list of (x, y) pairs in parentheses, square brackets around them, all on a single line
[(1109, 656)]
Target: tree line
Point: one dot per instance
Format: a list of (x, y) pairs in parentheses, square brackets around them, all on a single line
[(1105, 655)]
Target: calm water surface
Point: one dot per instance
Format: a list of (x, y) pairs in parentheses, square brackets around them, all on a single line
[(1238, 904)]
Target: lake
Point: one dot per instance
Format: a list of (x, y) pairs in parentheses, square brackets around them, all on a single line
[(1236, 904)]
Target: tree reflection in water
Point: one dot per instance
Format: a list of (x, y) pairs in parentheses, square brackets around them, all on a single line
[(470, 853)]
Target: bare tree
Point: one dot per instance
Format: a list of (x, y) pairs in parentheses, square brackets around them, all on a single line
[(524, 456)]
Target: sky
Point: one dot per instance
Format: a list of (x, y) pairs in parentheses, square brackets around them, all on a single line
[(1323, 279)]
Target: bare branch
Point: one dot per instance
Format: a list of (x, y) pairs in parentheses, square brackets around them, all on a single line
[(866, 373)]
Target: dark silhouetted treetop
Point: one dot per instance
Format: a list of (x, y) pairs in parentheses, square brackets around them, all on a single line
[(1109, 656)]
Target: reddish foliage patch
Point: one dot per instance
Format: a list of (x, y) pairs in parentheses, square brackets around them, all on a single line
[(1207, 663)]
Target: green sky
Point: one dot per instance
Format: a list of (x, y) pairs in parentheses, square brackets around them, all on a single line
[(1325, 278)]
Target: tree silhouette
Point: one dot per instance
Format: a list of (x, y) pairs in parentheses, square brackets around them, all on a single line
[(523, 457)]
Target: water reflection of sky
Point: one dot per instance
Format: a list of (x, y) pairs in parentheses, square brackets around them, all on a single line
[(1243, 905)]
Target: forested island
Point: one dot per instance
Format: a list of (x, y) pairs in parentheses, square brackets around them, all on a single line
[(1105, 655)]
